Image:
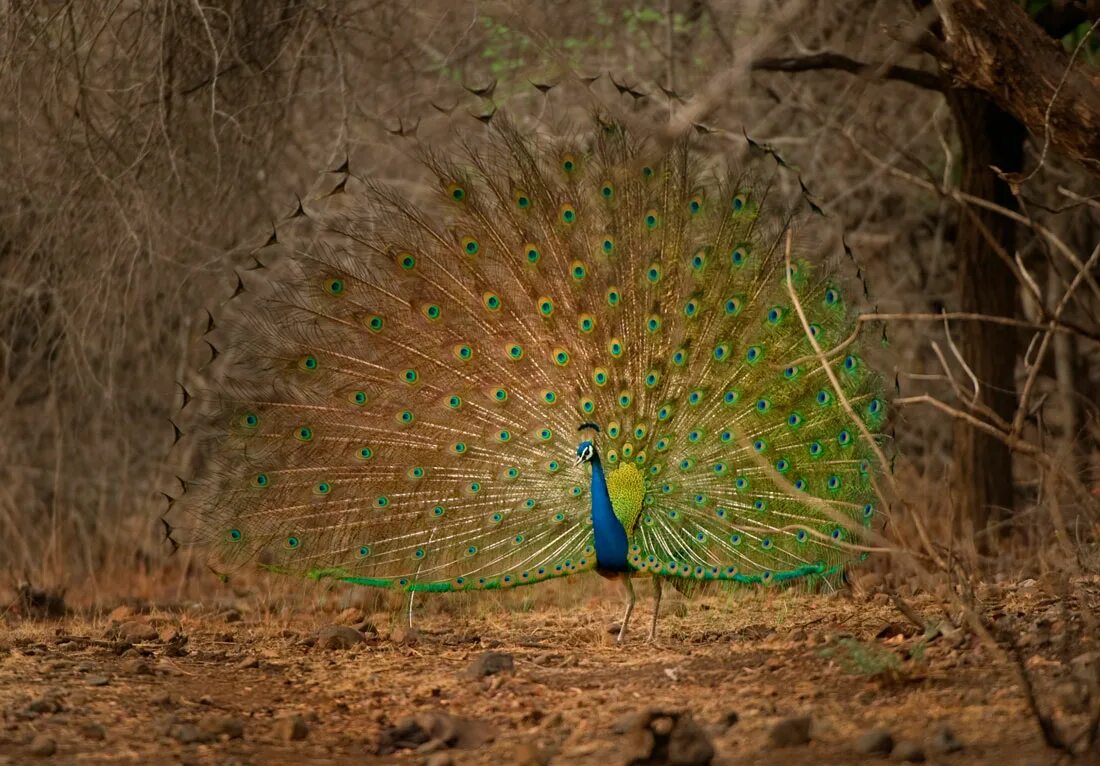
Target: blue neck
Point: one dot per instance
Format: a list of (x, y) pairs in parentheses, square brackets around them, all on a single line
[(611, 541)]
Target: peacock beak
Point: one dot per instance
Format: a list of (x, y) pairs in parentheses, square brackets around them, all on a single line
[(578, 461)]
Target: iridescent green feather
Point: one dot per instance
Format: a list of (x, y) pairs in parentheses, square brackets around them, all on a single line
[(401, 408)]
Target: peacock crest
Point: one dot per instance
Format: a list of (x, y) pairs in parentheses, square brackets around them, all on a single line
[(401, 404)]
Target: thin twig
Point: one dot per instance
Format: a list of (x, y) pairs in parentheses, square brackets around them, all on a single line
[(962, 362), (1059, 326), (1050, 105), (1033, 373)]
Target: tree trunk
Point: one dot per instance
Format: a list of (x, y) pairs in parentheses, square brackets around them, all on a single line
[(993, 47), (986, 285)]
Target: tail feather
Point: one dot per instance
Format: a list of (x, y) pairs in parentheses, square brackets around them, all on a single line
[(401, 397)]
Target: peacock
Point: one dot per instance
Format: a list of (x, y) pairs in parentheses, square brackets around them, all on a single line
[(590, 350)]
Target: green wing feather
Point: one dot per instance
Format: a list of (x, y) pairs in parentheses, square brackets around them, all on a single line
[(401, 407)]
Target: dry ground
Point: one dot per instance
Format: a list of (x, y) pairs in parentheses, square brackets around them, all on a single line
[(202, 685)]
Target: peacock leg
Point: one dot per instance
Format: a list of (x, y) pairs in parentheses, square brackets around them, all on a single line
[(656, 608), (629, 606)]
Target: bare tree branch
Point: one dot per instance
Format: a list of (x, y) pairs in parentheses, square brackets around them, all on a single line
[(828, 60)]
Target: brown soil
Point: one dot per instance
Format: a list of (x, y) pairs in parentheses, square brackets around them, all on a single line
[(201, 689)]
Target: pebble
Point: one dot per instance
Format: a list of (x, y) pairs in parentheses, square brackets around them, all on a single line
[(656, 736), (790, 732), (232, 616), (44, 705), (138, 668), (338, 637), (42, 746), (227, 726), (98, 680), (907, 751), (405, 634), (137, 631), (488, 664), (435, 730), (249, 663), (875, 742), (527, 754), (291, 728), (944, 741), (187, 733), (96, 732)]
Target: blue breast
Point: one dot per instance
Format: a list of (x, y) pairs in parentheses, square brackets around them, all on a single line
[(611, 540)]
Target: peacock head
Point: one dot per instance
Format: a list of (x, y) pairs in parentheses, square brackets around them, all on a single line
[(586, 450)]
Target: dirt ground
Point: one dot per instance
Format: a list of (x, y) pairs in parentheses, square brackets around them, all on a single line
[(203, 685)]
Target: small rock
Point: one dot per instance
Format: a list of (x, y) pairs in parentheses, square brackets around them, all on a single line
[(527, 754), (875, 742), (291, 728), (907, 751), (136, 631), (138, 668), (42, 746), (488, 664), (790, 732), (944, 741), (449, 731), (120, 614), (338, 637), (98, 680), (164, 699), (44, 705), (630, 721), (188, 734), (248, 663), (96, 732), (227, 726), (439, 759), (232, 616), (404, 634), (658, 737)]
